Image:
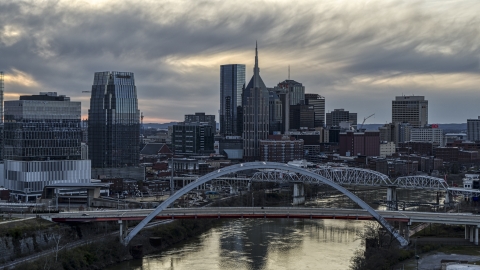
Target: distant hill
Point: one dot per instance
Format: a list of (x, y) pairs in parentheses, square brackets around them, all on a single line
[(164, 125), (445, 127), (159, 126)]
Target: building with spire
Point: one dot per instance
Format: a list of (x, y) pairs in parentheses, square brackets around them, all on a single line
[(255, 99)]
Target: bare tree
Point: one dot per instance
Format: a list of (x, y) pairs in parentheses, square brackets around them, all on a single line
[(379, 252), (56, 236)]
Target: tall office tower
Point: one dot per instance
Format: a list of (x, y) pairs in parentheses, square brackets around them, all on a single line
[(2, 89), (275, 113), (302, 116), (340, 115), (255, 114), (2, 85), (290, 93), (202, 117), (295, 89), (114, 121), (473, 129), (318, 103), (43, 143), (232, 81), (410, 109)]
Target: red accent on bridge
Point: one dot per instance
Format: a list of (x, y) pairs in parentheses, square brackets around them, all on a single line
[(216, 216)]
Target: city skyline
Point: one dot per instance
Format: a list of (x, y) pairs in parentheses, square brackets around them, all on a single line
[(358, 55)]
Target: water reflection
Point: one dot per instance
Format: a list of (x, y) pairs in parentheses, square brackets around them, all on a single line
[(262, 244)]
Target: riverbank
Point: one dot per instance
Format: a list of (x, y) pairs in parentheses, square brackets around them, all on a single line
[(107, 250)]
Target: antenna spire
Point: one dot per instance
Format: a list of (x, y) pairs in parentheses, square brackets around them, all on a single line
[(256, 70), (288, 72)]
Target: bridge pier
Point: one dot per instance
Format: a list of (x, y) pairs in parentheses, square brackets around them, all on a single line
[(233, 190), (392, 198), (404, 230), (123, 228), (476, 236), (467, 231), (447, 198), (471, 234), (298, 194)]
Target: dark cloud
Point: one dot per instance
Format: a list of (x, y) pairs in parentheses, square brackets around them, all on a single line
[(357, 55)]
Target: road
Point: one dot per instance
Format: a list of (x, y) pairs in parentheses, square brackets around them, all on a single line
[(269, 212)]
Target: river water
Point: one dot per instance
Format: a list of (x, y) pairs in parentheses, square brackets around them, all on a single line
[(247, 244), (261, 244)]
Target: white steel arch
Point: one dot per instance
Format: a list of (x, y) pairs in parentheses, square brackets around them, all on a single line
[(261, 165)]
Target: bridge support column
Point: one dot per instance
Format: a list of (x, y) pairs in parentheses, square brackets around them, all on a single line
[(447, 198), (123, 228), (476, 236), (298, 194), (471, 234), (392, 198), (404, 230), (467, 231)]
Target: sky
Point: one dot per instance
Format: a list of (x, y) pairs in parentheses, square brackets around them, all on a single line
[(359, 55)]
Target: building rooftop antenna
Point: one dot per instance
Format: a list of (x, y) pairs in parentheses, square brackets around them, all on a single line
[(288, 72)]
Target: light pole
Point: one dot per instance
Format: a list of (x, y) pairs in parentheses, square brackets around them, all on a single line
[(171, 178), (416, 256)]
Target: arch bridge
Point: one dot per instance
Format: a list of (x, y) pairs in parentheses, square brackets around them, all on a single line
[(262, 165)]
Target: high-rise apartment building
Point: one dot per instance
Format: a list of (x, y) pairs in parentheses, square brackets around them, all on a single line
[(114, 121), (232, 81), (43, 144), (318, 103), (410, 109), (255, 114), (340, 115), (473, 129)]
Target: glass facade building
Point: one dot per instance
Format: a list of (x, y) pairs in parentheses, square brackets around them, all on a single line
[(42, 144), (114, 121), (232, 81), (42, 127)]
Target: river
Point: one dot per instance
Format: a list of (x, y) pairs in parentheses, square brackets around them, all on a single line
[(247, 244), (261, 244)]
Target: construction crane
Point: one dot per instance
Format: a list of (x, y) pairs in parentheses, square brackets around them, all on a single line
[(365, 119)]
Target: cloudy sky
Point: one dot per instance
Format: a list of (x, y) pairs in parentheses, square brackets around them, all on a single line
[(358, 54)]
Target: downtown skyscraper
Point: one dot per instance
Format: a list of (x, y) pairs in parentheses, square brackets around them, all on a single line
[(255, 114), (232, 81), (114, 121), (410, 109)]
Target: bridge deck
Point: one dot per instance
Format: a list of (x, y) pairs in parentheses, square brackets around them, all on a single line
[(268, 212)]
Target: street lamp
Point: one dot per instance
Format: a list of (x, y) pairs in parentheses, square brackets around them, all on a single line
[(416, 256)]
